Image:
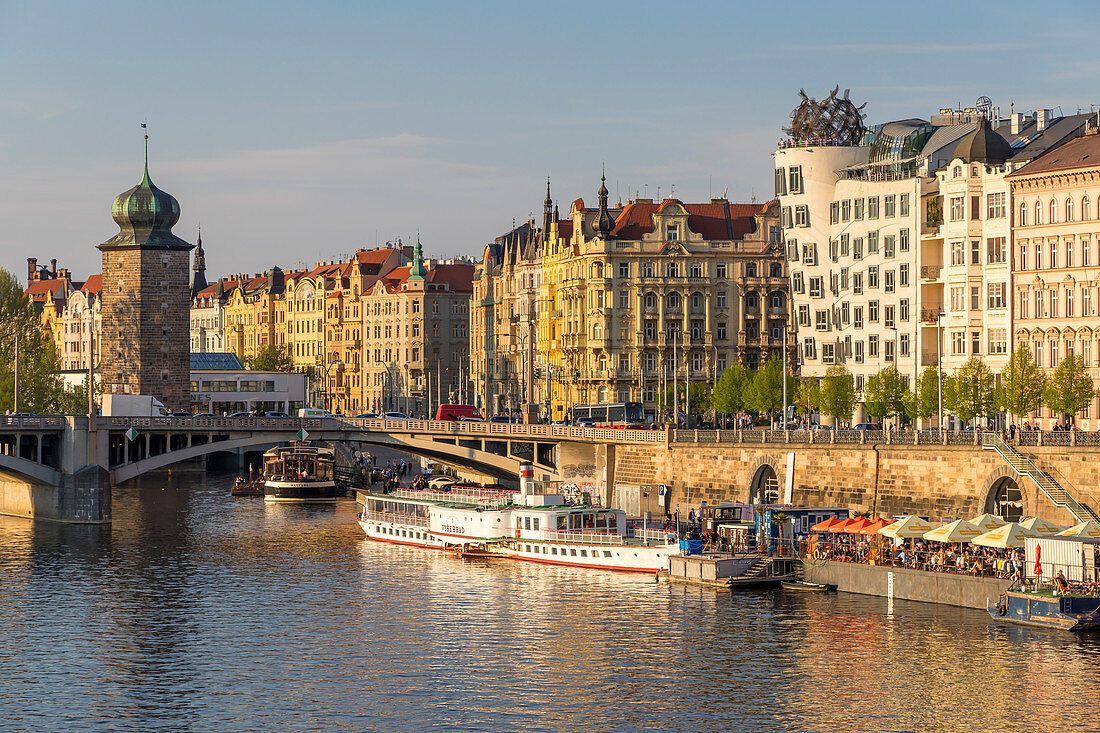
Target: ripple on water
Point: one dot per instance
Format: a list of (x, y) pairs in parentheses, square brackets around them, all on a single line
[(199, 612)]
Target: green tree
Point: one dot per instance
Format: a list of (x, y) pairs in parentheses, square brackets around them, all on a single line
[(764, 393), (1069, 388), (1022, 383), (884, 394), (728, 396), (924, 401), (40, 387), (273, 358), (699, 393), (969, 392), (809, 394), (838, 392)]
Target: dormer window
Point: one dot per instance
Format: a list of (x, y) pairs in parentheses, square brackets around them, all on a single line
[(672, 232)]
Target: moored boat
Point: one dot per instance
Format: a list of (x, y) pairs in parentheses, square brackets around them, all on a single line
[(300, 473), (1044, 608)]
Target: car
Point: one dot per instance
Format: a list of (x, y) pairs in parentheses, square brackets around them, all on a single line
[(867, 426), (276, 413), (204, 414), (504, 419), (440, 481), (238, 415), (313, 412), (470, 419), (585, 423), (394, 416), (367, 415), (180, 414), (456, 412)]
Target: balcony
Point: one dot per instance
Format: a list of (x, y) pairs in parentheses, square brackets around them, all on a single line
[(930, 315), (930, 272)]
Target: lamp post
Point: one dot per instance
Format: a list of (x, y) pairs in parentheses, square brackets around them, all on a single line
[(939, 367)]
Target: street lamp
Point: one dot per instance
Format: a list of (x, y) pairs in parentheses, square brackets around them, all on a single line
[(939, 366)]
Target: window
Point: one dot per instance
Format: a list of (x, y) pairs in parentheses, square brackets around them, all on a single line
[(672, 232), (827, 353), (815, 287), (996, 295), (995, 206), (958, 208), (1085, 211), (695, 270), (845, 210), (888, 281), (1069, 253), (857, 248), (1084, 253), (903, 310), (958, 342), (1039, 304), (975, 342), (785, 217), (888, 350), (843, 245), (792, 249), (624, 298), (1022, 264), (1053, 255), (1023, 305), (1069, 209), (857, 210), (796, 178), (624, 270), (872, 346), (834, 212), (958, 253), (903, 240), (821, 320), (1038, 213), (859, 352), (649, 269), (780, 182), (888, 246), (720, 299), (803, 315), (975, 252), (808, 350), (872, 311), (857, 316), (872, 242), (1054, 303), (887, 206), (720, 270), (845, 313), (1038, 255), (796, 282), (996, 250), (1069, 302), (1023, 215), (872, 277), (1053, 212), (857, 283), (802, 216), (809, 254), (998, 341), (903, 274), (872, 207), (721, 331), (1086, 301), (888, 316), (975, 298)]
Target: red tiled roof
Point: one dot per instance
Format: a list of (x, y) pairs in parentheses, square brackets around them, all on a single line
[(376, 256), (459, 276), (1081, 152), (38, 290), (94, 284), (578, 205), (709, 220), (565, 229)]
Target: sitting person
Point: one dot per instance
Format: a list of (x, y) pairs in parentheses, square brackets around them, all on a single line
[(1062, 585)]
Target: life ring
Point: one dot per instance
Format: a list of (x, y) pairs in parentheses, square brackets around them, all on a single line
[(1002, 609)]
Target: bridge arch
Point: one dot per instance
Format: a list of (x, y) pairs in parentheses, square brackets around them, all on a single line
[(764, 486), (1003, 495)]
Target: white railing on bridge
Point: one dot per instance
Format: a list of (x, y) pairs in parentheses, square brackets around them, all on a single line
[(33, 422)]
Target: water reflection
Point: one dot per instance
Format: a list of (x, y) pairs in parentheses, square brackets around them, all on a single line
[(200, 612)]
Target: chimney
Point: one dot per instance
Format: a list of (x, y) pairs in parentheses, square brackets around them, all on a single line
[(1043, 117), (32, 267), (1016, 122), (53, 268)]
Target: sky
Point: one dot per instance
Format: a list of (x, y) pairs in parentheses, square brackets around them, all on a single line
[(299, 132)]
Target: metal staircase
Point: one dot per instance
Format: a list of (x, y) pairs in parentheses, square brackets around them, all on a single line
[(1024, 466)]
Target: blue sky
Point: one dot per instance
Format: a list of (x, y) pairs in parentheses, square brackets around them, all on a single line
[(300, 131)]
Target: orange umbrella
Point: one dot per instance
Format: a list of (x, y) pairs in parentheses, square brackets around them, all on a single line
[(874, 525), (823, 526), (849, 526)]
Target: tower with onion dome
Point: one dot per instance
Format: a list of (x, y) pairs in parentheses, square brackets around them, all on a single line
[(145, 298)]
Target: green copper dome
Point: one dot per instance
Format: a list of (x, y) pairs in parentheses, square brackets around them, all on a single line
[(145, 215)]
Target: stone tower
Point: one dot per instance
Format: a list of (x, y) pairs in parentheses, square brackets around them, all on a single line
[(146, 298)]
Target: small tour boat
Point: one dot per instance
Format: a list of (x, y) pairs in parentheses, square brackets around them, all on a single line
[(247, 487), (804, 587), (1043, 608), (300, 473)]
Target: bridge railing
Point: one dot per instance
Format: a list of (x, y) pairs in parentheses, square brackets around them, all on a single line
[(278, 424), (33, 422), (505, 431)]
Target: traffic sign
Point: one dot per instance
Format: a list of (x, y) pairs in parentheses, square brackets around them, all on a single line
[(131, 434), (302, 434)]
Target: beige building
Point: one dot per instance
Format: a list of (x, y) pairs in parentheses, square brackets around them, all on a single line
[(637, 296), (415, 339), (1056, 261)]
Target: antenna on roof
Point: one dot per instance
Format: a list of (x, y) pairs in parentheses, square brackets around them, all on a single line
[(710, 186), (724, 190), (754, 194), (672, 189)]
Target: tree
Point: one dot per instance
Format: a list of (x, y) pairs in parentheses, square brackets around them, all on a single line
[(700, 398), (924, 401), (884, 394), (969, 392), (1022, 383), (765, 392), (728, 396), (1070, 388), (273, 358), (40, 387), (838, 392), (809, 394)]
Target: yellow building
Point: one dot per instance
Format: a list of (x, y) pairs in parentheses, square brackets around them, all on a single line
[(637, 296)]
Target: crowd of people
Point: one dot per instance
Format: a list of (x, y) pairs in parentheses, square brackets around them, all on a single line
[(919, 554)]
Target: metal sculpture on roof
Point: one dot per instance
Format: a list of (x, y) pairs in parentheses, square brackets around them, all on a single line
[(835, 119)]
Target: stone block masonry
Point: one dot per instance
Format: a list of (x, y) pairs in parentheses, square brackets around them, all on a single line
[(933, 481), (145, 307)]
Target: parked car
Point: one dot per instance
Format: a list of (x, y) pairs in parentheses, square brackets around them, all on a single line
[(470, 418), (504, 419), (313, 412), (867, 426), (585, 423), (456, 412), (367, 415), (394, 416), (237, 415), (205, 414), (179, 414), (276, 413), (440, 481)]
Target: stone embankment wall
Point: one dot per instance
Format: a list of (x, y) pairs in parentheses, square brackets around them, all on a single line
[(910, 585), (933, 481)]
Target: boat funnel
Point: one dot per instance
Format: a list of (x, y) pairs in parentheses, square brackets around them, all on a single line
[(526, 474)]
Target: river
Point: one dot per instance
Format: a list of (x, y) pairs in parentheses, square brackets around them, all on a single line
[(199, 612)]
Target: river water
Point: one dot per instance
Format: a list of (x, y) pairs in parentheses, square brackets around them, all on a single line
[(199, 612)]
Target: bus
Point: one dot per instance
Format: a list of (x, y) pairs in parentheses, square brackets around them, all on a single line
[(618, 415)]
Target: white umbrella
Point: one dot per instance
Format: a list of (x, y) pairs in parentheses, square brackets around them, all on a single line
[(1041, 527), (986, 522), (907, 528), (958, 531), (1090, 528), (1005, 536)]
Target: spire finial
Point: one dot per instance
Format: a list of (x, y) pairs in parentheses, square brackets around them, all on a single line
[(417, 271), (145, 126)]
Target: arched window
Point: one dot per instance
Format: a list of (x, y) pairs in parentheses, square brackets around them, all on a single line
[(957, 172), (1038, 213), (673, 300), (750, 300), (1053, 212), (650, 300), (597, 331), (750, 269), (777, 300), (776, 270), (1023, 215), (1069, 209), (1085, 213), (696, 302)]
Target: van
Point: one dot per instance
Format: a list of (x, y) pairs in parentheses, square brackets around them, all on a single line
[(313, 412), (456, 412)]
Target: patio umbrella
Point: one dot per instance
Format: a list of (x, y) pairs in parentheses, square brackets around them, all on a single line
[(1005, 536), (958, 531), (823, 526), (873, 526), (1090, 528), (907, 528), (986, 522), (1041, 527), (846, 526)]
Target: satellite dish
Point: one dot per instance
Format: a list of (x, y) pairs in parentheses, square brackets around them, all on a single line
[(984, 105)]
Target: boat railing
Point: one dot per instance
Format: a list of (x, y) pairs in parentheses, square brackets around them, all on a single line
[(652, 535), (476, 497), (583, 537), (372, 516)]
